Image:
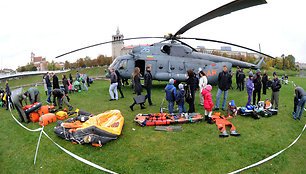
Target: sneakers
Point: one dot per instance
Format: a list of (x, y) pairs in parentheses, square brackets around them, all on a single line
[(216, 109), (234, 133), (48, 102), (223, 109), (223, 134), (152, 104), (210, 121)]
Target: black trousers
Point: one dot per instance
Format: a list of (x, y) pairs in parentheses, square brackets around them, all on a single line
[(256, 91), (264, 88)]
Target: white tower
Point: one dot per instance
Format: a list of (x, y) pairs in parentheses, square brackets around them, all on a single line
[(118, 44)]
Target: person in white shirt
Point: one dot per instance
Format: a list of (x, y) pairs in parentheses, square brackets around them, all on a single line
[(202, 84)]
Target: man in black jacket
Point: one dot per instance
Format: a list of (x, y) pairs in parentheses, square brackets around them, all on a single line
[(8, 95), (257, 86), (148, 83), (264, 83), (224, 84), (49, 86), (60, 95), (276, 85), (55, 81)]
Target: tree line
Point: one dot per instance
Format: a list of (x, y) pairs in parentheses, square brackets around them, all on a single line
[(283, 62), (101, 60)]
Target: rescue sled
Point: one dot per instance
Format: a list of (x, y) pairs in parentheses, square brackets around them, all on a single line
[(36, 110), (166, 119), (95, 129)]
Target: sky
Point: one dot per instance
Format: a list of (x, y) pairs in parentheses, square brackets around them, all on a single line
[(51, 28)]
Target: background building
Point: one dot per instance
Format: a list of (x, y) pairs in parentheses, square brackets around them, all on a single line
[(117, 45), (39, 62)]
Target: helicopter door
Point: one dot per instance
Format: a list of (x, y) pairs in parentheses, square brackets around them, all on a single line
[(141, 65)]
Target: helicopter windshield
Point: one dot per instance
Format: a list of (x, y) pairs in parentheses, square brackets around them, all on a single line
[(122, 64), (114, 64)]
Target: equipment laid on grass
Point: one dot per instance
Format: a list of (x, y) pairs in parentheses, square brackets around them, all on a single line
[(166, 119), (168, 128), (221, 122), (248, 111), (95, 129), (262, 109), (61, 115), (47, 119), (36, 110)]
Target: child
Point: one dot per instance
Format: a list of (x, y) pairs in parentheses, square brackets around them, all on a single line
[(232, 109), (170, 95), (250, 88), (180, 99), (208, 104)]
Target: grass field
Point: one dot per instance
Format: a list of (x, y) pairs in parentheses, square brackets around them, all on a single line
[(195, 149)]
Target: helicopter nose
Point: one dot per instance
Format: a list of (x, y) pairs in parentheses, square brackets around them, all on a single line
[(107, 73)]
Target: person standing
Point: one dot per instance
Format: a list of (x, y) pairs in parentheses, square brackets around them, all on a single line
[(237, 77), (17, 100), (137, 86), (84, 82), (45, 85), (224, 84), (55, 81), (87, 81), (276, 85), (170, 95), (66, 85), (180, 99), (119, 83), (208, 104), (8, 95), (300, 94), (257, 86), (191, 86), (49, 86), (148, 84), (33, 94), (70, 77), (202, 84), (77, 76), (113, 85), (264, 83), (241, 78), (250, 88)]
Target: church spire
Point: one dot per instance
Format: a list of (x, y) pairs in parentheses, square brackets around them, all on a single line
[(117, 32)]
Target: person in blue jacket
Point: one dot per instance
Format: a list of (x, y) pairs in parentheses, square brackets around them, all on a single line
[(170, 95), (180, 99)]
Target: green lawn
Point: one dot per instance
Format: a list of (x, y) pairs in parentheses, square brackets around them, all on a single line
[(195, 149)]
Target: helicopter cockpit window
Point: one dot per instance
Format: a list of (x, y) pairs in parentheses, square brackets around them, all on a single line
[(114, 64), (122, 64), (165, 49), (180, 51)]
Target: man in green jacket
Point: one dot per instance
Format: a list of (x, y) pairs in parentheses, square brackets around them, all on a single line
[(33, 94), (17, 100)]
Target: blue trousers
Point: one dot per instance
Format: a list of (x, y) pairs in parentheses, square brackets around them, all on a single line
[(182, 109), (224, 98), (49, 94), (300, 108), (170, 106)]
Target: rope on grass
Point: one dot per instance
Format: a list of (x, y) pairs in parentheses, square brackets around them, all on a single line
[(66, 151), (270, 157)]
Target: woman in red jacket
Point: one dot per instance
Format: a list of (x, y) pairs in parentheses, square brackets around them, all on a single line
[(208, 104)]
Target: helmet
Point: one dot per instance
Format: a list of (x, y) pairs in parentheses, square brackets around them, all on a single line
[(249, 107)]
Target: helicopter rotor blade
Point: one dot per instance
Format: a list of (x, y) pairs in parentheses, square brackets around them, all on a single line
[(107, 43), (217, 41), (186, 45), (223, 10)]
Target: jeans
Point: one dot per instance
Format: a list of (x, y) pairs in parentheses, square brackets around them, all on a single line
[(170, 106), (224, 98), (300, 106), (113, 87), (182, 109), (84, 84), (148, 96), (250, 98), (49, 94)]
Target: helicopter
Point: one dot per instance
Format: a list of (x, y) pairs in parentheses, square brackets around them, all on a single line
[(171, 58)]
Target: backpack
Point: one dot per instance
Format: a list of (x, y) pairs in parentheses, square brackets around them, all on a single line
[(188, 95)]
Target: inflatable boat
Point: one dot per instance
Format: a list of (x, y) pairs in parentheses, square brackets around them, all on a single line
[(166, 119), (93, 129)]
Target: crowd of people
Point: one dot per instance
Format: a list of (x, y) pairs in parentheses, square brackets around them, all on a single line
[(255, 86)]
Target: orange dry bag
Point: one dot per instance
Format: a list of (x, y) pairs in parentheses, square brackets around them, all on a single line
[(47, 119)]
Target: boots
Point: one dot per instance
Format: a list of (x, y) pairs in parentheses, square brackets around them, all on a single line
[(210, 121), (234, 133), (223, 134), (206, 117), (142, 106), (132, 107)]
